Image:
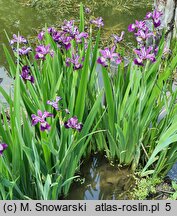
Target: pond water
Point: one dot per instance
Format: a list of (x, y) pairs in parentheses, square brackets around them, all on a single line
[(101, 180)]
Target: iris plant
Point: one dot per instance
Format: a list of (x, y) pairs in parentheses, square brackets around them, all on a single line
[(66, 41), (97, 22), (54, 104), (73, 123), (25, 75), (118, 39), (87, 10), (51, 165), (79, 36), (42, 51), (65, 35), (143, 35), (137, 25), (76, 61), (109, 54), (144, 54), (41, 118), (68, 26), (3, 147), (24, 51), (155, 16), (18, 39), (70, 123), (57, 36), (41, 35)]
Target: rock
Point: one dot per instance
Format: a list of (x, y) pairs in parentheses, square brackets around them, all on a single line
[(6, 83), (172, 174), (169, 19)]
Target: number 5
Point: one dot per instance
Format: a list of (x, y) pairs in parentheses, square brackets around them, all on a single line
[(168, 207)]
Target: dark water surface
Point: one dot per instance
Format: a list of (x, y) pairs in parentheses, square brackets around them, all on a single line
[(101, 180)]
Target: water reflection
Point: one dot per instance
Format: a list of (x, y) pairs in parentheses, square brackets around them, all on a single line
[(15, 18), (101, 180)]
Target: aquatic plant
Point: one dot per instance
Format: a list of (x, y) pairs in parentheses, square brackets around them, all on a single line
[(18, 39), (145, 188), (174, 193), (42, 51), (41, 118), (155, 16), (108, 55), (54, 104), (49, 133), (3, 146), (118, 39), (135, 96), (25, 74), (73, 123), (75, 62), (144, 54)]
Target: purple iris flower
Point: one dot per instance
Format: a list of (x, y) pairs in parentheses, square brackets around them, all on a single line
[(137, 25), (63, 39), (131, 27), (118, 39), (41, 118), (41, 35), (68, 26), (66, 40), (26, 74), (148, 15), (109, 54), (24, 50), (144, 54), (54, 104), (98, 22), (18, 39), (3, 146), (140, 24), (73, 123), (78, 37), (74, 31), (75, 61), (155, 16), (51, 30), (87, 10), (42, 51), (156, 49), (143, 35), (57, 36)]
